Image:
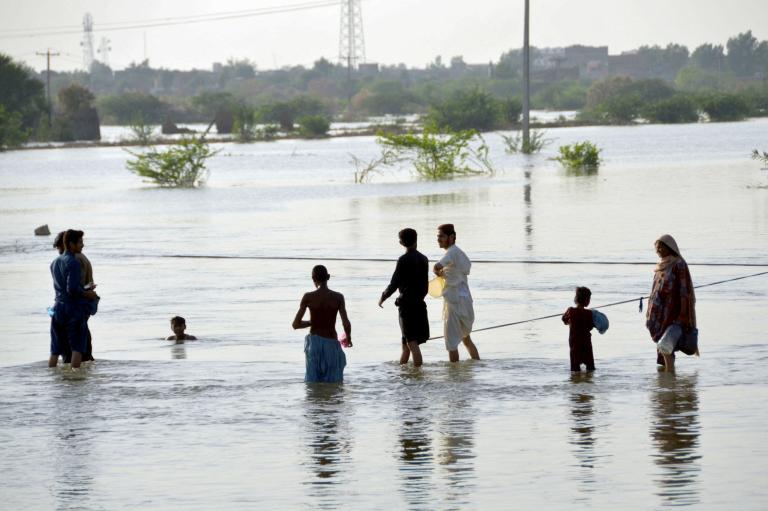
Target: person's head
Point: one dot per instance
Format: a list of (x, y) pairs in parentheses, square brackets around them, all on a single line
[(407, 237), (320, 275), (178, 325), (58, 242), (583, 295), (666, 246), (73, 241), (446, 235)]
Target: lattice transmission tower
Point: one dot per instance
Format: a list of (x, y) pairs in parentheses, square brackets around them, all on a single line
[(351, 40), (87, 42)]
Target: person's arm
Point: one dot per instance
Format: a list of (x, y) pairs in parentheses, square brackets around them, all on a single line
[(442, 263), (345, 321), (298, 322), (74, 286), (394, 283), (190, 337), (567, 316), (170, 338)]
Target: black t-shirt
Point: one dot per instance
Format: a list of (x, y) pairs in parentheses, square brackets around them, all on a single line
[(410, 277)]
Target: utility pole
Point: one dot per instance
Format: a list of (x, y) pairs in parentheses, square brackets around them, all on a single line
[(526, 82), (48, 56)]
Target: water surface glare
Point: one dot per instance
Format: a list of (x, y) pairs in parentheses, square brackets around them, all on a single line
[(227, 421)]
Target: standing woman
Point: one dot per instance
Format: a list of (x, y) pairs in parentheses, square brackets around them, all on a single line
[(325, 360), (671, 315)]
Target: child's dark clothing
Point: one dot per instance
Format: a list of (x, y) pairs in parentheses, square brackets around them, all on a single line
[(579, 339)]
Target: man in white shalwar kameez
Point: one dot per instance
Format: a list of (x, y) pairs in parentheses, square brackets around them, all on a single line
[(458, 312)]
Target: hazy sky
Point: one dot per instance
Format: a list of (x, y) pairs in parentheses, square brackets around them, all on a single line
[(412, 32)]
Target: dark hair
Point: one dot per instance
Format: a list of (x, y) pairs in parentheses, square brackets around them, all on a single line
[(178, 320), (71, 237), (447, 229), (320, 273), (583, 294), (407, 237), (58, 241)]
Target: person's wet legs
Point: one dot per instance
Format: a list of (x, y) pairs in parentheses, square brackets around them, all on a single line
[(471, 348), (414, 348)]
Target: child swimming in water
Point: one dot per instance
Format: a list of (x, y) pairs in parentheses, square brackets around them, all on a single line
[(179, 325)]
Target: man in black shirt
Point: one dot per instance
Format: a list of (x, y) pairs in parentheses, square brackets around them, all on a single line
[(411, 278)]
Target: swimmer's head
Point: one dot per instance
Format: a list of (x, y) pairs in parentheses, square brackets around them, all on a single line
[(58, 242), (320, 274), (178, 325)]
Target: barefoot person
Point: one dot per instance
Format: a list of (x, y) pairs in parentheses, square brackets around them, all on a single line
[(86, 279), (458, 312), (411, 279), (325, 360), (69, 325), (671, 314)]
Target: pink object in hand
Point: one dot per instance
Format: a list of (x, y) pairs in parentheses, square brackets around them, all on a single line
[(343, 339)]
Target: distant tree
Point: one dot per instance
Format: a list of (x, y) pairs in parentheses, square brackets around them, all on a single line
[(677, 109), (664, 62), (607, 88), (725, 107), (509, 64), (511, 108), (695, 79), (21, 93), (708, 56), (313, 126), (386, 97), (12, 134), (458, 64), (217, 106), (324, 67), (741, 54), (563, 95), (472, 109), (123, 109), (78, 119), (285, 113)]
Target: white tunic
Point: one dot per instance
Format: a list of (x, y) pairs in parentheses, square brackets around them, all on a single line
[(458, 312)]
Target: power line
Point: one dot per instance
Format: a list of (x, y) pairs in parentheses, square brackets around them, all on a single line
[(474, 261), (164, 22)]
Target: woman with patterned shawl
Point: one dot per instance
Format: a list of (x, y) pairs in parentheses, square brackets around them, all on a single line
[(671, 315)]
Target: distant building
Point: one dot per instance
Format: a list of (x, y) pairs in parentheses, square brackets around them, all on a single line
[(368, 69)]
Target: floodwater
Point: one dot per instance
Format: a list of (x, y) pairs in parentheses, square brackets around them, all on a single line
[(226, 421)]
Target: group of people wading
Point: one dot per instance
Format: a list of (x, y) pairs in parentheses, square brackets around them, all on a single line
[(670, 318)]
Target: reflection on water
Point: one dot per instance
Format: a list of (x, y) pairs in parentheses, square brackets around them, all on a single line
[(456, 441), (71, 446), (328, 441), (416, 456), (178, 351), (528, 210), (675, 433), (583, 429)]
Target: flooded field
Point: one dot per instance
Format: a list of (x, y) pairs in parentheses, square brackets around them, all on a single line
[(228, 422)]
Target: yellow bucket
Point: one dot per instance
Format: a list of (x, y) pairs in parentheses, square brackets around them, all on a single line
[(436, 287)]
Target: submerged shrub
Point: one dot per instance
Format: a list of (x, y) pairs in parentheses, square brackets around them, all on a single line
[(437, 156), (725, 107), (580, 155), (314, 126), (677, 109), (181, 165), (515, 144)]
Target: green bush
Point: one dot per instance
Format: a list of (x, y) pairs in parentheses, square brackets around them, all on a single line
[(511, 108), (515, 144), (123, 108), (181, 165), (314, 126), (725, 107), (472, 109), (580, 155), (437, 156), (244, 126), (142, 132), (677, 109)]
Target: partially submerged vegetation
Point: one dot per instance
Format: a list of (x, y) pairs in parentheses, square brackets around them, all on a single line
[(581, 155), (514, 144), (179, 166), (433, 155)]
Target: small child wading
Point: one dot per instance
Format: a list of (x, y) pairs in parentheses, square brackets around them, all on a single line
[(580, 321)]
